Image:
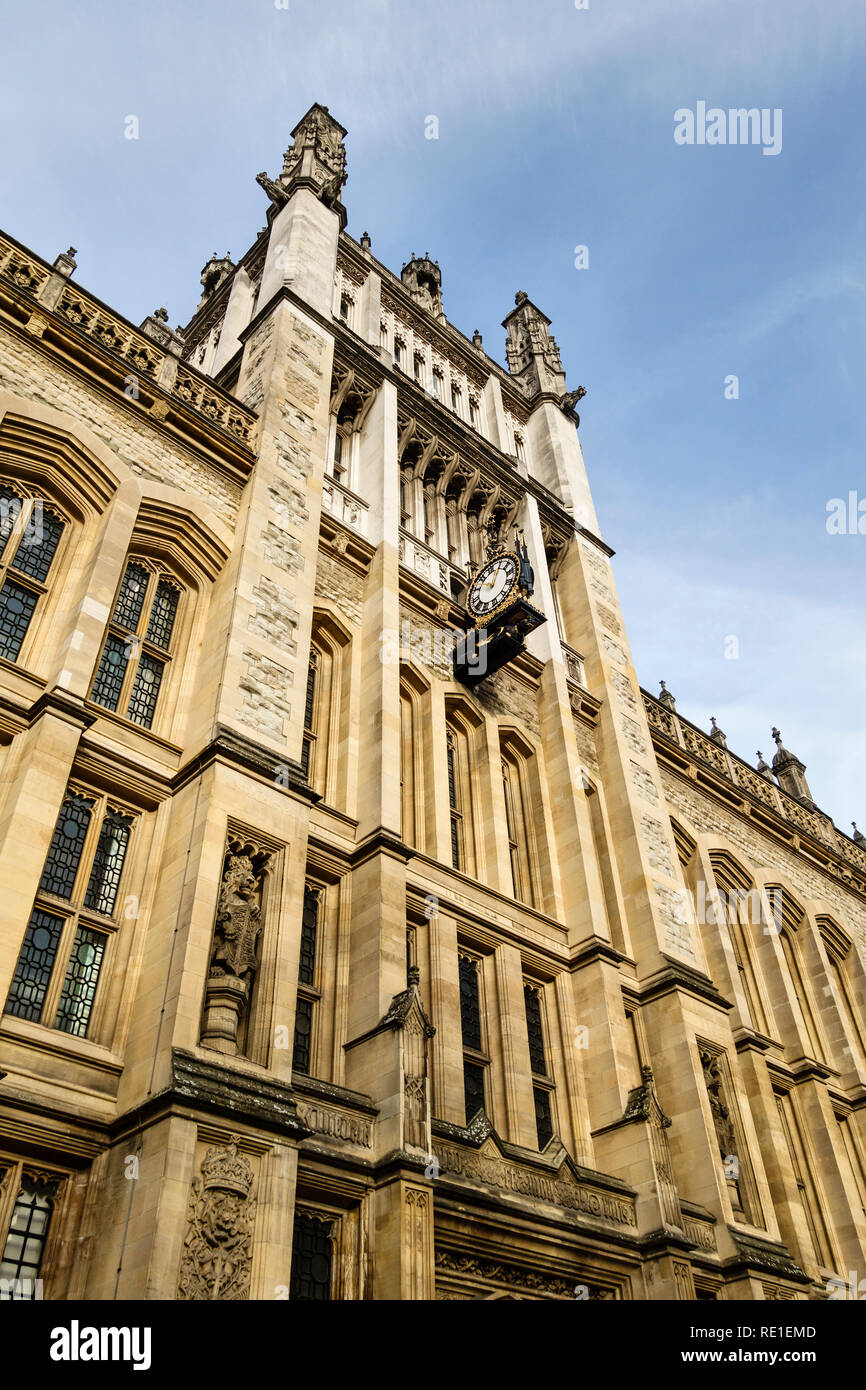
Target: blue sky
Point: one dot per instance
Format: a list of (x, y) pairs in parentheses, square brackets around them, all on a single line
[(555, 130)]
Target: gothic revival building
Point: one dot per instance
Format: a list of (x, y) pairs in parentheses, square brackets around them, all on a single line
[(367, 931)]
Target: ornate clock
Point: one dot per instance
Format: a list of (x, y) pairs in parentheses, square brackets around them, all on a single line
[(498, 600), (493, 585)]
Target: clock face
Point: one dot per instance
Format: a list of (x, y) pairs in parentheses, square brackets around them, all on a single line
[(492, 585)]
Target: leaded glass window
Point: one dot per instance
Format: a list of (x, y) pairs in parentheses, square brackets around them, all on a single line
[(470, 1020), (17, 605), (543, 1116), (470, 1005), (455, 800), (312, 1258), (35, 964), (308, 995), (473, 1089), (64, 854), (38, 545), (142, 701), (57, 974), (36, 530), (163, 614), (535, 1030), (309, 930), (79, 987), (303, 1035), (130, 600), (112, 669), (10, 510), (138, 645), (28, 1233), (108, 863), (308, 745)]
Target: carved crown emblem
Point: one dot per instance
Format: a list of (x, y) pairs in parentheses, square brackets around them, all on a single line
[(225, 1168)]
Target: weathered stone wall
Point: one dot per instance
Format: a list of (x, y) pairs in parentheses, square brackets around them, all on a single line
[(127, 432), (708, 817), (341, 584)]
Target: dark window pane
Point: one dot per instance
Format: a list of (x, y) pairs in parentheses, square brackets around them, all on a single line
[(108, 863), (10, 510), (470, 1009), (16, 610), (452, 776), (35, 963), (309, 931), (535, 1030), (130, 600), (37, 546), (306, 755), (303, 1035), (79, 987), (310, 701), (64, 855), (163, 614), (312, 1257), (455, 842), (473, 1089), (28, 1232), (112, 669), (543, 1120), (145, 689)]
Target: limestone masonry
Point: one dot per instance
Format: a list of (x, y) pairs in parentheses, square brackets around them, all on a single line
[(336, 966)]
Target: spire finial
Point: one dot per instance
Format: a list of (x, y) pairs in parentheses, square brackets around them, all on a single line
[(717, 734), (859, 837), (665, 697)]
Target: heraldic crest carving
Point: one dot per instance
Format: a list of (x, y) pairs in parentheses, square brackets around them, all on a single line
[(217, 1250)]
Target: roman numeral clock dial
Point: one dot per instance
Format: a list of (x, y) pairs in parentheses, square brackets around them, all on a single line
[(493, 584)]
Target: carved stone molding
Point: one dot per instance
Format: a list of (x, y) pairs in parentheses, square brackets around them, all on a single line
[(471, 1270), (561, 1187)]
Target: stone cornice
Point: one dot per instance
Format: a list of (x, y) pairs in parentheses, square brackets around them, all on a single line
[(234, 1094), (61, 705), (236, 749), (678, 976), (688, 752)]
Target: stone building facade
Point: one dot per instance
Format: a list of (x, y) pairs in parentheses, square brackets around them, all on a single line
[(327, 973)]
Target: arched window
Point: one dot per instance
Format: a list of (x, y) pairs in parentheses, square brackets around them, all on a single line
[(30, 535), (741, 909), (326, 708), (347, 308), (520, 831), (843, 963), (25, 1242), (456, 800), (138, 649), (462, 724), (789, 917), (414, 769)]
